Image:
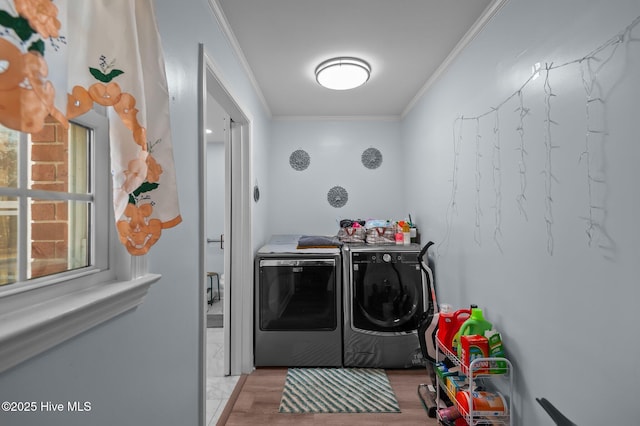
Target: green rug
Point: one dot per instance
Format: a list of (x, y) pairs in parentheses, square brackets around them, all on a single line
[(338, 390)]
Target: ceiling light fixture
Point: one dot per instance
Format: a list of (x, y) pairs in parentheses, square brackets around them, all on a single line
[(343, 73)]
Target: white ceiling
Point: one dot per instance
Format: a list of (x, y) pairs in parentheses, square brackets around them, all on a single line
[(407, 43)]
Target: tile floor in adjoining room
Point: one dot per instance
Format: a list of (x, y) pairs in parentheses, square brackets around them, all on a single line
[(219, 387)]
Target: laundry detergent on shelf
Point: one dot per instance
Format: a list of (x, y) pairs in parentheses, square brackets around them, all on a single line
[(449, 323), (476, 324), (474, 347), (496, 351), (482, 403)]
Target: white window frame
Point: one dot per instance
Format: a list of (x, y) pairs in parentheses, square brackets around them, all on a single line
[(41, 313)]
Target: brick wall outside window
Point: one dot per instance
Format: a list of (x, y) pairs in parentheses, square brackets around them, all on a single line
[(49, 225)]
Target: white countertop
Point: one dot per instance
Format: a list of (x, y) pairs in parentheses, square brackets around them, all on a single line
[(289, 244)]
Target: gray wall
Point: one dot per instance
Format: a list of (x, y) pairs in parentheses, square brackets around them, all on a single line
[(566, 304), (142, 368), (298, 199)]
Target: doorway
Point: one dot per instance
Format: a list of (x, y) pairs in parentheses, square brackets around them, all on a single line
[(234, 243), (217, 128)]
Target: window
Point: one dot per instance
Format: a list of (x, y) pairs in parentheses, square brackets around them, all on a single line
[(47, 201), (62, 270), (54, 189)]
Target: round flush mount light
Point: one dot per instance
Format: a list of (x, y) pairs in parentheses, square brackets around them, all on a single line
[(343, 73)]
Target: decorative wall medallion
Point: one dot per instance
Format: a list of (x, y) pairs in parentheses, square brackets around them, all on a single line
[(371, 158), (299, 160), (337, 196)]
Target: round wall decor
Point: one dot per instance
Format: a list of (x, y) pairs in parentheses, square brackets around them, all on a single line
[(337, 196), (371, 158), (299, 160)]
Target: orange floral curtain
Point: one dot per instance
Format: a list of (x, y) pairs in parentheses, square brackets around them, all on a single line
[(62, 60)]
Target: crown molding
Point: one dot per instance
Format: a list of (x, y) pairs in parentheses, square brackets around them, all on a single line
[(480, 23), (237, 50)]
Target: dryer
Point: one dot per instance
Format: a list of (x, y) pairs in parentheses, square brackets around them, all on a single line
[(385, 295), (298, 305)]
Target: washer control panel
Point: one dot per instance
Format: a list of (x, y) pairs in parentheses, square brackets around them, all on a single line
[(385, 257)]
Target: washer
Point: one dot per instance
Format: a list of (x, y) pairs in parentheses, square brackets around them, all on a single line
[(385, 297), (298, 305)]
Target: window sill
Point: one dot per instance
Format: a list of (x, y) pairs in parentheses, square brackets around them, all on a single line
[(29, 331)]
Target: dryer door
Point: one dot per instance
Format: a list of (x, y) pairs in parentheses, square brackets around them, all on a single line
[(297, 294), (387, 291)]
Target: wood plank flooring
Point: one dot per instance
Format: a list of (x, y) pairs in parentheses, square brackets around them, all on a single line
[(258, 400)]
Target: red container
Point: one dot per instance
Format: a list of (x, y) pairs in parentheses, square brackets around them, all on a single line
[(448, 325), (475, 346)]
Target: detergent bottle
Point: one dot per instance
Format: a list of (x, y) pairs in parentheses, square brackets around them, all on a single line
[(444, 323), (449, 323), (476, 324), (458, 318)]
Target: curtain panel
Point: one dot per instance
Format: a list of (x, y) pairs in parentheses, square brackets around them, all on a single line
[(60, 58)]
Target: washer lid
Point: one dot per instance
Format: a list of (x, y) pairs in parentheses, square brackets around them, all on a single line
[(288, 243)]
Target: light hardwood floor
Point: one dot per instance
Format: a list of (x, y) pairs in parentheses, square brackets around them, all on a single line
[(258, 399)]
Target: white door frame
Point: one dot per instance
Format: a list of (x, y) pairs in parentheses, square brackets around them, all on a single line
[(238, 312)]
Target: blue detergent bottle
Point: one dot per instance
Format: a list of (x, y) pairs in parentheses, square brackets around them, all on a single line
[(476, 324)]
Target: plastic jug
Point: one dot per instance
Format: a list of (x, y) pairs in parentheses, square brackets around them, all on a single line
[(476, 324), (449, 323), (464, 314)]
